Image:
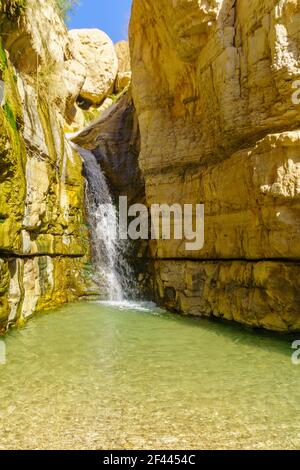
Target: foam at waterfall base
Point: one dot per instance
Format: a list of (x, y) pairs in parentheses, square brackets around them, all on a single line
[(131, 305)]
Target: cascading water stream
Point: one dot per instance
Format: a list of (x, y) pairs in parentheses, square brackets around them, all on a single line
[(103, 221), (112, 270)]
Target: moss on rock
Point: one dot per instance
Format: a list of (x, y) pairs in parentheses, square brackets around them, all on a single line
[(12, 9)]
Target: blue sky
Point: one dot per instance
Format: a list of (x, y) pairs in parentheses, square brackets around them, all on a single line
[(112, 16)]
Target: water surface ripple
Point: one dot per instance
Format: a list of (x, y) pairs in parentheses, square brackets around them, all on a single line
[(122, 376)]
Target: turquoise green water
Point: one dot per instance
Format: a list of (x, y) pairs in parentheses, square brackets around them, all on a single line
[(100, 377)]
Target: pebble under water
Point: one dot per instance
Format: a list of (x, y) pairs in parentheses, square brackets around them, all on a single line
[(123, 376)]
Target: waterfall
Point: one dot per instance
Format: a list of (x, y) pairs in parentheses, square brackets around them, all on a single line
[(113, 272)]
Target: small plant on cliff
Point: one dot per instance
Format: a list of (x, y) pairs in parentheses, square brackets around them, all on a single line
[(66, 7), (3, 58), (12, 8), (10, 116)]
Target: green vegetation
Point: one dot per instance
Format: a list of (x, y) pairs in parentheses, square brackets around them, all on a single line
[(115, 97), (12, 8), (10, 116), (3, 58), (91, 114), (66, 7), (13, 158), (7, 75)]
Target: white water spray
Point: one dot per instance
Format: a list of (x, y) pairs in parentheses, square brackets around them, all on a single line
[(114, 275), (103, 221)]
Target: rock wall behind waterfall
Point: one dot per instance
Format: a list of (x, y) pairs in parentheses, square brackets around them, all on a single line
[(44, 246), (212, 86), (114, 139)]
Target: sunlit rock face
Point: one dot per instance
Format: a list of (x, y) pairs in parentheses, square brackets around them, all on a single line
[(192, 24), (95, 50), (212, 85), (44, 243), (124, 73)]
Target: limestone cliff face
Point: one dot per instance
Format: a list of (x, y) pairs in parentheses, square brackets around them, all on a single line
[(44, 244), (212, 119), (124, 73), (212, 85)]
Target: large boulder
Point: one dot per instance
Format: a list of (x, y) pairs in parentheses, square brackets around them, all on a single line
[(94, 49)]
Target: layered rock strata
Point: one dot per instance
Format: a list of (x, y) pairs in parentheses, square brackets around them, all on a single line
[(212, 85), (44, 240)]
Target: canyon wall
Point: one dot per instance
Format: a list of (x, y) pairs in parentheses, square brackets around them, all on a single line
[(212, 83), (210, 120), (44, 239)]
